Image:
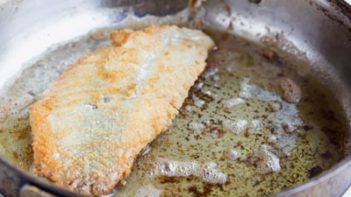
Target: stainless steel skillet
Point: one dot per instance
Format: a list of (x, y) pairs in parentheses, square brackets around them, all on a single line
[(314, 31)]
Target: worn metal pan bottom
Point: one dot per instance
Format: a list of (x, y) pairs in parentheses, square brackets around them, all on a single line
[(216, 145)]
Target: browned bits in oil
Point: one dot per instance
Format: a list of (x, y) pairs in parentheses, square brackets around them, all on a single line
[(330, 115), (204, 96), (198, 23), (206, 190), (316, 170), (329, 131), (15, 155), (255, 1), (167, 179), (227, 9), (268, 54), (213, 128), (280, 75), (194, 190), (327, 155), (271, 56), (291, 91), (307, 127)]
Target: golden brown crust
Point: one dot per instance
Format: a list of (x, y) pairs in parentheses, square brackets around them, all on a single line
[(93, 121)]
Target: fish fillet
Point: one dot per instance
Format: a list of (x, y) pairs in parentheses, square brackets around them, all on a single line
[(93, 121)]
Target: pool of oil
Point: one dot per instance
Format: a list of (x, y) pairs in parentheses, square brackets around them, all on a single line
[(251, 125)]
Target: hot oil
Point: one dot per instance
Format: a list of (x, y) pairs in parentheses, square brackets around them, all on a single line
[(198, 133), (235, 134), (27, 87)]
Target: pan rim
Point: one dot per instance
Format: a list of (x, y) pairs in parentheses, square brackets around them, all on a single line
[(324, 176)]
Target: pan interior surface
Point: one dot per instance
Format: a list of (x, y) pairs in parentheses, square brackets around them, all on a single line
[(257, 121), (238, 132)]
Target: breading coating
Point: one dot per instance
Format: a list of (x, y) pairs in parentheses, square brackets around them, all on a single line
[(93, 121)]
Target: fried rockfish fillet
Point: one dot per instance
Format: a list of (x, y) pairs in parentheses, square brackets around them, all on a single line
[(93, 121)]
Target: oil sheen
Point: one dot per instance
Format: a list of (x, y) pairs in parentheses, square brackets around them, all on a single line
[(251, 125)]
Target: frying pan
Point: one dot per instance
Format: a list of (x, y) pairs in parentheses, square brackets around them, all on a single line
[(314, 31)]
